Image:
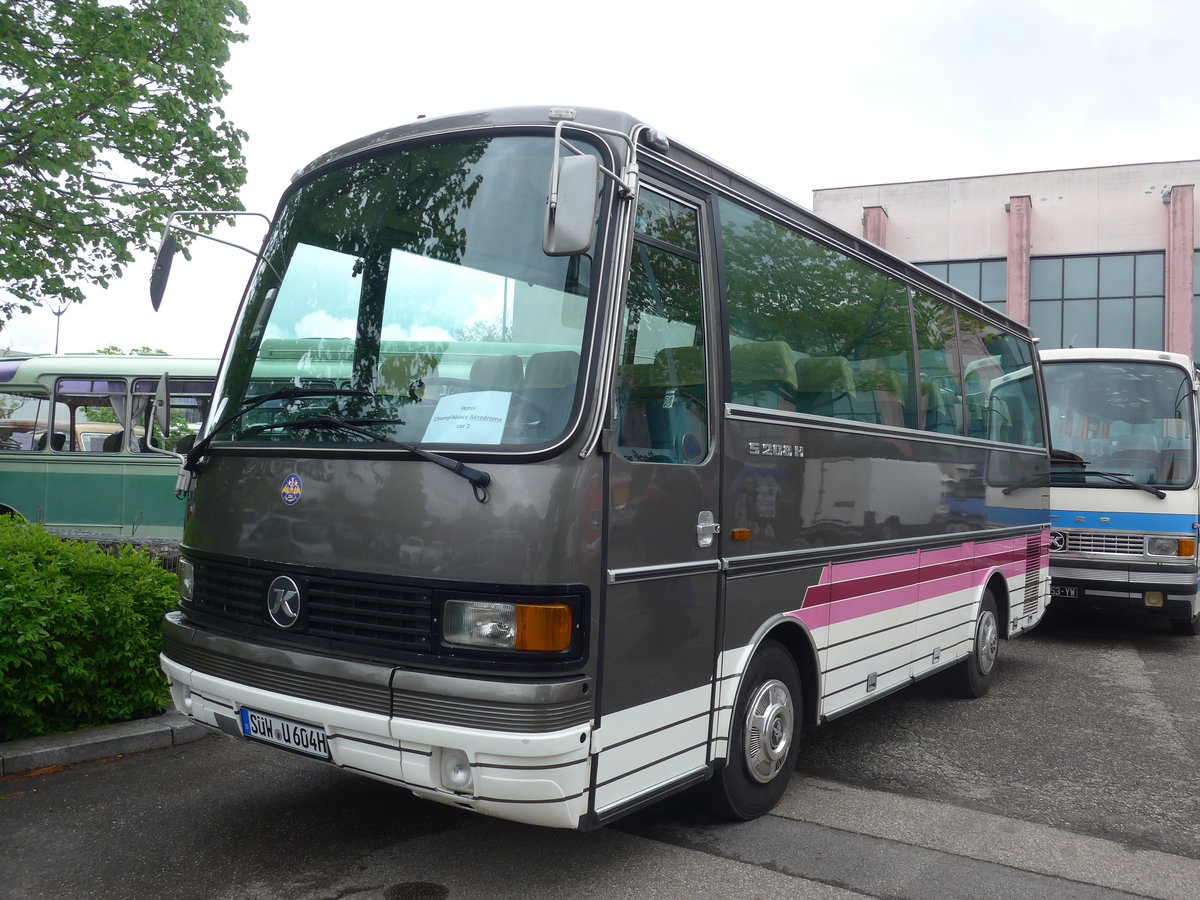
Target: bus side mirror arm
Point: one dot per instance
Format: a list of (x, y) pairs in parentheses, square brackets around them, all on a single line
[(574, 198), (169, 244)]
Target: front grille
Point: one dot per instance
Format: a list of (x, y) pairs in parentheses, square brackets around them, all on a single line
[(1104, 542), (344, 610)]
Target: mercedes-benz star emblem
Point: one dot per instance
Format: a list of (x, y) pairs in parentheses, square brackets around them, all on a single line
[(1058, 541), (283, 602)]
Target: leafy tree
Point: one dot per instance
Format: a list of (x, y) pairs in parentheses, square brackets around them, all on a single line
[(109, 119), (482, 332), (114, 350)]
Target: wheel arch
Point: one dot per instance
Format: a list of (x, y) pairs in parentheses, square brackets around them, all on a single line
[(998, 585), (798, 641)]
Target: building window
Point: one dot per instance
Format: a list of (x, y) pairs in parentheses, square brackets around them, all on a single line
[(1097, 301), (984, 279)]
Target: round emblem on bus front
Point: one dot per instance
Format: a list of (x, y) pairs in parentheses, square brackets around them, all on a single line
[(283, 602), (291, 490), (1058, 541)]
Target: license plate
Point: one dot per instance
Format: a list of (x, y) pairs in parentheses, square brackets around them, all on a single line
[(270, 729), (1069, 592)]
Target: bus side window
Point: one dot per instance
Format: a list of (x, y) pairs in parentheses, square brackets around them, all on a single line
[(940, 402), (988, 355), (87, 412), (190, 400), (23, 418), (662, 385), (812, 329)]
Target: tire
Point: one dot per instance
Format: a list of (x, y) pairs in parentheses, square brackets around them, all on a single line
[(757, 772), (1190, 627), (973, 676)]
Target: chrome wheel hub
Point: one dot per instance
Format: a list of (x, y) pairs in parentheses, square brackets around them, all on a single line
[(987, 641), (770, 725)]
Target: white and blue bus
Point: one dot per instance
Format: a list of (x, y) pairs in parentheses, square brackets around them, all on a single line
[(1124, 498), (556, 468)]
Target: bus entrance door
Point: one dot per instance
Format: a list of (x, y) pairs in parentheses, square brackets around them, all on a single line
[(661, 598)]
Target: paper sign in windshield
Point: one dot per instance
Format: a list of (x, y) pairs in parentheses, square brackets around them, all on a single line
[(473, 418)]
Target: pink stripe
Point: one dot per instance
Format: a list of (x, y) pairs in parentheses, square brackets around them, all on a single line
[(856, 589), (931, 590), (869, 604), (817, 617)]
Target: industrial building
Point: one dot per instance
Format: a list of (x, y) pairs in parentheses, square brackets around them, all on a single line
[(1097, 257)]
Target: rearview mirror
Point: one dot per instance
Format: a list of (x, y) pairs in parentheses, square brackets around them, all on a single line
[(162, 269), (162, 406), (571, 211)]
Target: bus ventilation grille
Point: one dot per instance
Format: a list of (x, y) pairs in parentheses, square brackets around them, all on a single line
[(1033, 571), (1105, 542)]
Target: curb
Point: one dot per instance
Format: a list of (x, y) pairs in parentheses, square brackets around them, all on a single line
[(88, 744)]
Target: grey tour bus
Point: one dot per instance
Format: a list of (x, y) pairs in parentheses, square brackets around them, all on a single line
[(555, 468)]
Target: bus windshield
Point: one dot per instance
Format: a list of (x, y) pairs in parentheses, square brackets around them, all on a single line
[(412, 285), (1115, 421)]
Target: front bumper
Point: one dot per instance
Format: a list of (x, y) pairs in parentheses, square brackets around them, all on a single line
[(1115, 587), (527, 743)]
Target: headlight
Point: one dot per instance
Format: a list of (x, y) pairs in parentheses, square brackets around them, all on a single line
[(543, 628), (187, 579), (1169, 546)]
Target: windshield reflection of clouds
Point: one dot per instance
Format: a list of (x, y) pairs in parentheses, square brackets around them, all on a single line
[(426, 299), (414, 285)]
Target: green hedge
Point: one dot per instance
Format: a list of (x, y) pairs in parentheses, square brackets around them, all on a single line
[(79, 633)]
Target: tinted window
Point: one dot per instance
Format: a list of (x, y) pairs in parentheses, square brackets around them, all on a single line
[(662, 387), (811, 329)]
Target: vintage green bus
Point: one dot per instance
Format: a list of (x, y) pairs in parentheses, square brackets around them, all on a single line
[(73, 451)]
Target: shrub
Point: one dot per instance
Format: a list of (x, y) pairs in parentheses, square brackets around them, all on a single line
[(79, 633)]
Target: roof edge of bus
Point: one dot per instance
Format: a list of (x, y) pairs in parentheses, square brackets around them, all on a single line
[(484, 118), (1099, 354)]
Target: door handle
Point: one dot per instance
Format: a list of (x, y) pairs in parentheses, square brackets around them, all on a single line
[(706, 528)]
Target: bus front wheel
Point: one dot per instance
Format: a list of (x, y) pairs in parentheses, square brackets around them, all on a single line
[(764, 739), (973, 676), (1187, 626)]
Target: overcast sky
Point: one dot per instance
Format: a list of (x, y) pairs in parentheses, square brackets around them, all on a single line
[(796, 95)]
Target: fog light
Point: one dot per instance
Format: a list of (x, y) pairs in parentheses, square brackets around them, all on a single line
[(456, 771), (1153, 599)]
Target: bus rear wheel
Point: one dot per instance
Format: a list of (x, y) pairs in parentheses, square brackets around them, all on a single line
[(764, 740), (973, 676)]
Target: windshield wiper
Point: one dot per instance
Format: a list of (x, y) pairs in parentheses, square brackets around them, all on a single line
[(1121, 479), (1114, 476), (1032, 481), (284, 393), (479, 480)]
